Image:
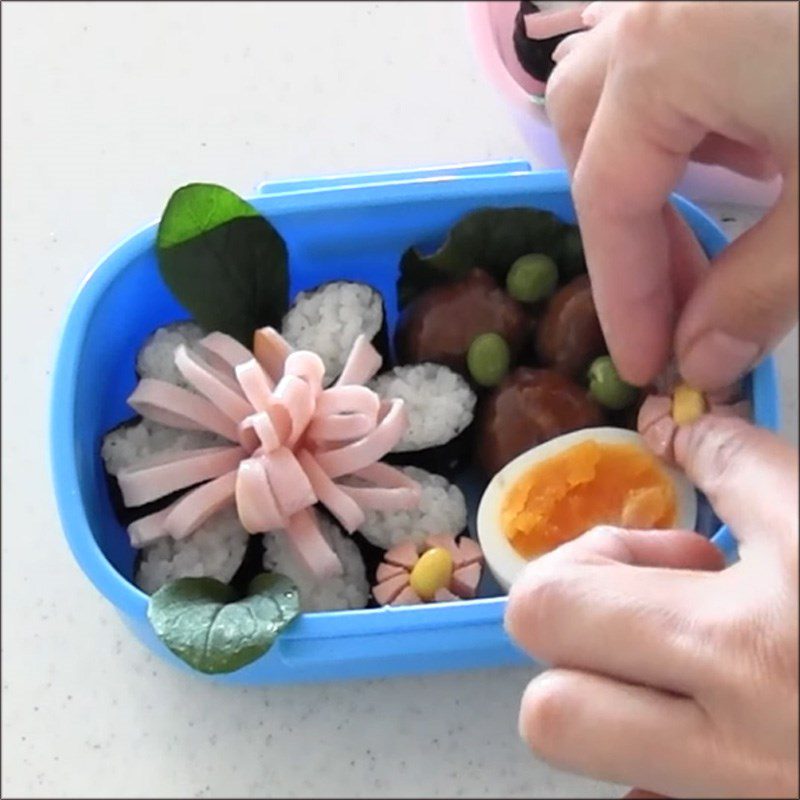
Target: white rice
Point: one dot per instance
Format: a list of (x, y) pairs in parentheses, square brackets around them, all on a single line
[(442, 509), (157, 358), (215, 550), (327, 320), (350, 590), (439, 402), (128, 444)]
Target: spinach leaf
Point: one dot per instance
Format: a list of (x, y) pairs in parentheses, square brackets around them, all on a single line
[(489, 238), (223, 261), (202, 622)]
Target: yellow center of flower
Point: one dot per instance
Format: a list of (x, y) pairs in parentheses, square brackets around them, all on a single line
[(432, 572)]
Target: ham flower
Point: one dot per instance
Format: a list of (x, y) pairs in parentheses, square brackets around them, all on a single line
[(398, 574), (291, 444)]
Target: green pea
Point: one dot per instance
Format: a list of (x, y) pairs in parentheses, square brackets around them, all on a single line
[(488, 359), (607, 387), (532, 278)]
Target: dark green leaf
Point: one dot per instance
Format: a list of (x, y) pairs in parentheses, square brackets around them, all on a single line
[(202, 622), (223, 261), (489, 238)]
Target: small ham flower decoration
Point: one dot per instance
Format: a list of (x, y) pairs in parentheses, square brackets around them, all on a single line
[(661, 415), (444, 570), (291, 444)]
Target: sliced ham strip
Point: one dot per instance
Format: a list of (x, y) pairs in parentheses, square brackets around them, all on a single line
[(547, 24), (255, 502), (309, 367), (290, 484), (469, 552), (386, 571), (297, 398), (164, 473), (445, 596), (408, 597), (226, 349), (447, 542), (363, 363), (256, 384), (402, 555), (271, 351), (179, 408), (346, 510), (262, 424), (465, 580), (388, 590), (148, 529), (393, 489), (309, 546), (224, 394), (373, 447), (194, 508)]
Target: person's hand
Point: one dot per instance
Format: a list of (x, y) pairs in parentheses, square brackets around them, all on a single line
[(649, 87), (671, 673)]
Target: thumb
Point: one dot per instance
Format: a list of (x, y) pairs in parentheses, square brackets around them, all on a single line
[(748, 474), (745, 303)]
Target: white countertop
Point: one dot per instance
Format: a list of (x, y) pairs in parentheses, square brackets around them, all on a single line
[(107, 108)]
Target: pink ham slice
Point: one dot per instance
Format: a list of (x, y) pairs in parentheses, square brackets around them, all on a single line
[(194, 508), (346, 510), (402, 555), (255, 502), (162, 474), (267, 435), (297, 399), (408, 597), (309, 367), (469, 552), (445, 596), (223, 352), (386, 571), (271, 351), (373, 447), (290, 484), (465, 580), (147, 530), (388, 590), (393, 490), (344, 413), (547, 24), (225, 394), (363, 363), (179, 408), (446, 541), (256, 384), (309, 546)]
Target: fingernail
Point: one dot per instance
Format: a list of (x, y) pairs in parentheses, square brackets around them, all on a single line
[(717, 359)]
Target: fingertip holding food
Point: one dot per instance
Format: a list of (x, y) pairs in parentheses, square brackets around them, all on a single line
[(488, 359)]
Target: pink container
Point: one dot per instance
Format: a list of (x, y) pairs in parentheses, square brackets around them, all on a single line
[(491, 26)]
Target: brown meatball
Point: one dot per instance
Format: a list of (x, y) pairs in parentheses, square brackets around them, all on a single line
[(529, 407), (569, 337), (441, 324)]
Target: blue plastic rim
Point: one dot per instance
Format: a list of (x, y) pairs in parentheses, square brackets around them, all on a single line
[(346, 227)]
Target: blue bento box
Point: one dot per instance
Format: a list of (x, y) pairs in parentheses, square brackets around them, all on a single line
[(350, 227)]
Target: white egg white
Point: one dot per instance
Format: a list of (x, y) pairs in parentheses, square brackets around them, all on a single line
[(501, 558)]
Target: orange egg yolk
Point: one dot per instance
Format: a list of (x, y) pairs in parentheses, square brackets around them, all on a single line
[(589, 484)]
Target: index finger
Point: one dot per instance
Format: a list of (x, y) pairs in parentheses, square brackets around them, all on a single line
[(629, 164)]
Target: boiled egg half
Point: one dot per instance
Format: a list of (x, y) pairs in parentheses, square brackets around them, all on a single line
[(562, 488)]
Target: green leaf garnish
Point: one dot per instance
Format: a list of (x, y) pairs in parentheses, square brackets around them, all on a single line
[(201, 621), (489, 238), (223, 261)]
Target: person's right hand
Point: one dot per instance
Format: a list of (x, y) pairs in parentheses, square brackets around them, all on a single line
[(669, 672), (649, 87)]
